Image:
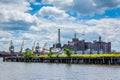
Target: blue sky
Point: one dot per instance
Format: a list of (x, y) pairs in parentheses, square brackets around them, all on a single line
[(39, 20)]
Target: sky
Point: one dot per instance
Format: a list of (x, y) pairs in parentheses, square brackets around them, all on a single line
[(39, 20)]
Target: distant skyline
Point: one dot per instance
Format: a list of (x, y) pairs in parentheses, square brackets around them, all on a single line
[(39, 20)]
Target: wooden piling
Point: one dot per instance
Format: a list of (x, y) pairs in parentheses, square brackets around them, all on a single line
[(102, 60)]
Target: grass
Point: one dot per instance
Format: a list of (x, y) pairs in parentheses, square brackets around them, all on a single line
[(82, 55), (96, 55)]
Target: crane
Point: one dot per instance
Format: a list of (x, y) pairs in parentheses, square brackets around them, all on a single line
[(11, 48), (43, 49), (21, 49), (33, 47)]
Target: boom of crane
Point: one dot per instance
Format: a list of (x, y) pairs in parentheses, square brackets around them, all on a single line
[(33, 47), (43, 49), (11, 47), (21, 49)]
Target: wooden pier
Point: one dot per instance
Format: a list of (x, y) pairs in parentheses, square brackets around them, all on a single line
[(102, 60)]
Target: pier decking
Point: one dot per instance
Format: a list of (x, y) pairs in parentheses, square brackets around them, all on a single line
[(102, 60)]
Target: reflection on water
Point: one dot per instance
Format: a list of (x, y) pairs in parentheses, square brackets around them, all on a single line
[(46, 71)]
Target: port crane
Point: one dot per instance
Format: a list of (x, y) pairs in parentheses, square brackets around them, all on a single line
[(21, 49), (43, 49), (37, 48), (33, 47), (11, 48)]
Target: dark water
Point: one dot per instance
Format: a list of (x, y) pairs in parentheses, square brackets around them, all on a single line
[(46, 71)]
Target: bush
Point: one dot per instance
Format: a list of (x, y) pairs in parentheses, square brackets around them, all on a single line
[(28, 53), (57, 55), (50, 54), (68, 52)]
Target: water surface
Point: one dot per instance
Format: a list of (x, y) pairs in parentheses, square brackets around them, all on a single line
[(47, 71)]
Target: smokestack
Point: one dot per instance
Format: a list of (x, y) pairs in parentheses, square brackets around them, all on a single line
[(75, 35), (58, 35), (99, 38)]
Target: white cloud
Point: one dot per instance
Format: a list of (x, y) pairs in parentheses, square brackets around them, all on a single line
[(19, 5), (84, 6), (29, 36), (53, 13), (13, 15), (34, 2), (4, 35), (58, 3)]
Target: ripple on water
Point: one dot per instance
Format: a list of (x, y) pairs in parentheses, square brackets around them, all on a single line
[(46, 71)]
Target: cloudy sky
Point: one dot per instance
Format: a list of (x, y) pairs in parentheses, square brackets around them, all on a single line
[(39, 20)]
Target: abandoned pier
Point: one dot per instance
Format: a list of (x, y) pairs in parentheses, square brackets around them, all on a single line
[(102, 60)]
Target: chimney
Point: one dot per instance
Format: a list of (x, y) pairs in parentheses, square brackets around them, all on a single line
[(75, 35), (58, 35), (99, 38)]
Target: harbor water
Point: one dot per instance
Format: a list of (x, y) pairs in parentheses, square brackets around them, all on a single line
[(53, 71)]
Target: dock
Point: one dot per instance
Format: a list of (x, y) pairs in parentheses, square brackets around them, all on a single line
[(69, 60)]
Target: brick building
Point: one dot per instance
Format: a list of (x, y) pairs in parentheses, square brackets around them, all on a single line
[(80, 46)]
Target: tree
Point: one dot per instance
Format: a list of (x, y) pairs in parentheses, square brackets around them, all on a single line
[(57, 55), (28, 53), (68, 52), (50, 53)]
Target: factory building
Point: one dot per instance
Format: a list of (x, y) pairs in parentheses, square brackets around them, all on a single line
[(80, 46)]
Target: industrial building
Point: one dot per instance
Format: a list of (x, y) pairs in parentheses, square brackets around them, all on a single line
[(80, 46)]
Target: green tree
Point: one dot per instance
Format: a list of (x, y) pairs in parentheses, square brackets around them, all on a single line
[(50, 53), (28, 53), (68, 52), (57, 55)]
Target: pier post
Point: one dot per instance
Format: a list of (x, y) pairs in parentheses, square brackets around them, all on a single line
[(111, 60), (3, 59)]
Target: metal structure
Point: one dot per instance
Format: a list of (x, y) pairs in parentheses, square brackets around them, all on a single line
[(21, 49), (59, 36), (33, 47), (43, 49), (11, 48), (37, 49)]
